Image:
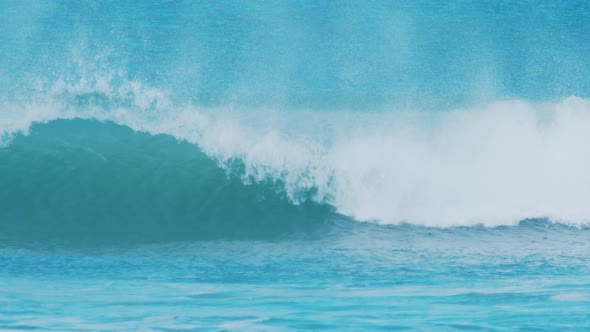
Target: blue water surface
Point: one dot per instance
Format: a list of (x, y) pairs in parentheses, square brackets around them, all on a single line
[(354, 277)]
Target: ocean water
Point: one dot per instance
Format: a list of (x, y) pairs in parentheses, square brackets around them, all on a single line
[(294, 165)]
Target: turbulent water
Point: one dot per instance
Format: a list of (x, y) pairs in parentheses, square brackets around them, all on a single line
[(294, 165)]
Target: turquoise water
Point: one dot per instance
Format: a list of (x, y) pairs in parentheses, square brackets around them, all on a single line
[(294, 165), (349, 277)]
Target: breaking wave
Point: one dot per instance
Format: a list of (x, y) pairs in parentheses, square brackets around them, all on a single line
[(494, 165)]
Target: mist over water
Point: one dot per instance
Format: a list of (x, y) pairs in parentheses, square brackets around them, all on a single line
[(290, 54)]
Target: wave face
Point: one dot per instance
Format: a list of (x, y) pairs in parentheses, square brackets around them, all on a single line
[(89, 182), (239, 120)]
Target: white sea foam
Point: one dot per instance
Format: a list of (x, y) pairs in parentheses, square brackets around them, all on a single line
[(493, 165), (570, 297)]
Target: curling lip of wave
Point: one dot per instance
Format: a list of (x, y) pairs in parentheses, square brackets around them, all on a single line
[(496, 165)]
